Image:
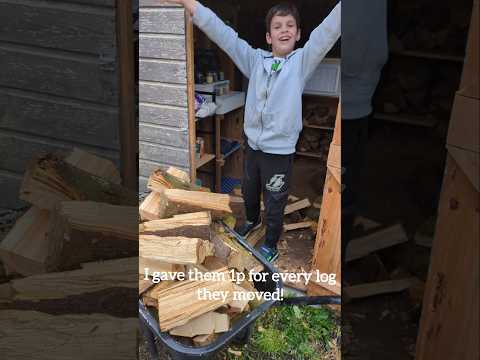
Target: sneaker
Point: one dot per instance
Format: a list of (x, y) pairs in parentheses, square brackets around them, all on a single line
[(247, 228), (268, 253)]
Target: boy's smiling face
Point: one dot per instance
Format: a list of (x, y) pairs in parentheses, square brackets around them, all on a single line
[(283, 35)]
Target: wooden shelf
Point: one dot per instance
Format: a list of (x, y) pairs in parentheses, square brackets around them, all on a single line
[(203, 160), (236, 148), (408, 119), (428, 55), (309, 154), (331, 128)]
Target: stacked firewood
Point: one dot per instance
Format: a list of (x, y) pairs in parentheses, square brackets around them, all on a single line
[(69, 259), (433, 26), (180, 235)]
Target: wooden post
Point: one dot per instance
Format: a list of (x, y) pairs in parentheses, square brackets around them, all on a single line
[(127, 124), (449, 327), (191, 95), (327, 252)]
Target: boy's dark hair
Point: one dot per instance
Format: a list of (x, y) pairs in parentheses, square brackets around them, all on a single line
[(283, 9)]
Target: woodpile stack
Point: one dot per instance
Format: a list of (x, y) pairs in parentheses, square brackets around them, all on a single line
[(433, 26), (194, 258), (318, 122), (70, 261)]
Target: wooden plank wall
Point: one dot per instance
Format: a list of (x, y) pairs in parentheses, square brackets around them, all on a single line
[(58, 83), (163, 128)]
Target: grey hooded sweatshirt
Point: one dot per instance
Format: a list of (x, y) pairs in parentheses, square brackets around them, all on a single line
[(273, 109)]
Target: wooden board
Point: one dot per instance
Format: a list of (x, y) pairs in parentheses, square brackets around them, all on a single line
[(377, 288), (327, 251), (465, 124), (163, 94), (164, 154), (469, 84), (449, 326), (62, 74), (358, 248), (167, 71), (35, 23), (299, 205), (164, 115), (59, 118), (162, 20), (95, 336), (163, 135), (162, 46)]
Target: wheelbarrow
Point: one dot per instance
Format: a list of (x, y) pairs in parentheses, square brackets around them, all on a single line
[(240, 331)]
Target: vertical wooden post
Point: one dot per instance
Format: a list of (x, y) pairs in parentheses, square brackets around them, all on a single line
[(127, 128), (191, 94), (327, 252)]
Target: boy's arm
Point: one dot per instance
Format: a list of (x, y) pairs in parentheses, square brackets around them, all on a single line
[(225, 37), (321, 41)]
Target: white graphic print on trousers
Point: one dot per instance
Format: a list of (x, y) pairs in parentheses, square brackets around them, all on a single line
[(275, 183)]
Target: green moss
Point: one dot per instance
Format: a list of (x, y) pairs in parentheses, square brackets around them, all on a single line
[(290, 332)]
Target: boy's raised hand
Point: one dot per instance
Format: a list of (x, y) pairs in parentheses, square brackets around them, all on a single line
[(189, 5)]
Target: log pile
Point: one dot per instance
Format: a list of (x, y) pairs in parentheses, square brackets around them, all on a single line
[(318, 121), (183, 246), (443, 30), (71, 258)]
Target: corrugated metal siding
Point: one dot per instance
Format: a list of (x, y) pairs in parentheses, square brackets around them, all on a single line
[(58, 83), (163, 132)]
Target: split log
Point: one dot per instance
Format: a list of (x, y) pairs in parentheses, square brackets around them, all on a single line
[(173, 178), (203, 340), (175, 250), (150, 298), (377, 288), (49, 180), (206, 324), (299, 205), (92, 277), (151, 207), (25, 248), (157, 266), (84, 231), (144, 284), (194, 225), (240, 301), (180, 303), (172, 202), (365, 245), (213, 263), (94, 165), (296, 226), (96, 336)]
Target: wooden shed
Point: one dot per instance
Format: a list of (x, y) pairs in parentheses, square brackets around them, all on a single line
[(174, 59), (66, 79)]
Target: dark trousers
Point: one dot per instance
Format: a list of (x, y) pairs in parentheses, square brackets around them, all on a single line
[(269, 174), (354, 141)]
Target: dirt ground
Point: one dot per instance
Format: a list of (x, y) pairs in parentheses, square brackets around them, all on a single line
[(401, 184)]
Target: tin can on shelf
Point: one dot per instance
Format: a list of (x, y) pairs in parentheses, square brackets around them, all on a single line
[(199, 148)]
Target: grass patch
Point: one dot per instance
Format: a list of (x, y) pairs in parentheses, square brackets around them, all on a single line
[(291, 332)]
